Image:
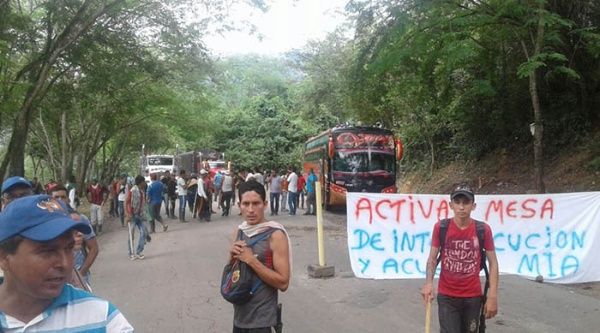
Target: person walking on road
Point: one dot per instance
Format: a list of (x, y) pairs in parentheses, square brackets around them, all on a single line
[(284, 191), (227, 190), (36, 255), (292, 191), (460, 299), (155, 198), (182, 194), (171, 192), (86, 245), (269, 258), (274, 183), (96, 196), (135, 210), (203, 203), (122, 189), (301, 188), (218, 184), (311, 208)]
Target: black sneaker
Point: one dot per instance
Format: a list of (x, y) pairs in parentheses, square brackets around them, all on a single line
[(148, 238)]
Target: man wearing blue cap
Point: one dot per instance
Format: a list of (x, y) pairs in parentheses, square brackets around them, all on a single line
[(36, 254), (14, 188)]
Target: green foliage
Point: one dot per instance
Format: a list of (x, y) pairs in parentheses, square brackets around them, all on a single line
[(135, 66), (594, 165), (451, 77)]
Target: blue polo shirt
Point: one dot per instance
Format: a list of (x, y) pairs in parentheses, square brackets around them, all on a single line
[(74, 310), (310, 183), (155, 192)]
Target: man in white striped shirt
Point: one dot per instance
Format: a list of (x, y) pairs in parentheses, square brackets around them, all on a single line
[(36, 254)]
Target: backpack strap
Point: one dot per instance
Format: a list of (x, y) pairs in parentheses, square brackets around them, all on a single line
[(260, 237), (253, 242), (480, 226), (442, 237), (480, 230)]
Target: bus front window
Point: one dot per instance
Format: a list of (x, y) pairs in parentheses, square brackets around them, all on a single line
[(363, 161)]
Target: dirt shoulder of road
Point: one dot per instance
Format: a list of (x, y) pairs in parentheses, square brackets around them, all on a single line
[(591, 289)]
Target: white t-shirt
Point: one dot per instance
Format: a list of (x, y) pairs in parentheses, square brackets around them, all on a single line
[(293, 182), (181, 186), (122, 192), (227, 183), (259, 178)]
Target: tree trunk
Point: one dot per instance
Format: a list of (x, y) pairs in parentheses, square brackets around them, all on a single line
[(63, 157), (538, 147), (432, 166), (38, 71), (538, 144)]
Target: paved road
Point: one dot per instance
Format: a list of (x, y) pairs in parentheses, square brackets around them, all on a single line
[(175, 289)]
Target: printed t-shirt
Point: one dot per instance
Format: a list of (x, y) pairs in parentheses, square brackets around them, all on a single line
[(461, 261)]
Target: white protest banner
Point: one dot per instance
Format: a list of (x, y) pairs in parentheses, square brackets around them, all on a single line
[(552, 235)]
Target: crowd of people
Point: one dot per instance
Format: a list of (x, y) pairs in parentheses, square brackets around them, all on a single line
[(138, 203), (47, 247), (46, 251)]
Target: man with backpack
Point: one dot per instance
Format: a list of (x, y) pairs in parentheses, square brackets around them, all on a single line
[(264, 247), (462, 244)]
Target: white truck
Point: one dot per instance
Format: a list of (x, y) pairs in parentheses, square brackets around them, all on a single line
[(158, 164)]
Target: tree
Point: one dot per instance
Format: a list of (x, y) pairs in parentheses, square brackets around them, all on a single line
[(42, 42)]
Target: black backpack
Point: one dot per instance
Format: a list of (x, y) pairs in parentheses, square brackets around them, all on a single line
[(238, 281), (480, 230)]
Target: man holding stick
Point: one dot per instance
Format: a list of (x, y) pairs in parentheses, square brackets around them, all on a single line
[(462, 245), (135, 208)]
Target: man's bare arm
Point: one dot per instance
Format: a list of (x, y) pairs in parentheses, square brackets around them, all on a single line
[(491, 304), (92, 245), (431, 264), (427, 289)]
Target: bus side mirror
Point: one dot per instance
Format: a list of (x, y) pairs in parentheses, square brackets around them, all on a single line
[(330, 148), (399, 149)]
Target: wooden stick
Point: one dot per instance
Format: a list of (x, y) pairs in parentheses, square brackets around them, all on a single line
[(428, 317), (130, 239)]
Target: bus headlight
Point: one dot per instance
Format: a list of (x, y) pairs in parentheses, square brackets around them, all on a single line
[(390, 189)]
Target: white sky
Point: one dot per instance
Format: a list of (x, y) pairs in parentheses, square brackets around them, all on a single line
[(287, 25)]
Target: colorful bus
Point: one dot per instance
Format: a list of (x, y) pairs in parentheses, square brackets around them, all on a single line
[(353, 159)]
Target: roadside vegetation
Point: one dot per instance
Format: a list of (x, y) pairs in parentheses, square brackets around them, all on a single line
[(509, 86)]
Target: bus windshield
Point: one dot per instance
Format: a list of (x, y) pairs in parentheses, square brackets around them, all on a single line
[(364, 161), (155, 160)]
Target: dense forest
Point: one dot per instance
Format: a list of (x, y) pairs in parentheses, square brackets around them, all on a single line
[(84, 84)]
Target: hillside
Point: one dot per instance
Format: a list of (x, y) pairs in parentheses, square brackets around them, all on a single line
[(510, 171)]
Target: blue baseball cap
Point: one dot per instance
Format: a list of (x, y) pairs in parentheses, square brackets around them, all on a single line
[(39, 218), (14, 181)]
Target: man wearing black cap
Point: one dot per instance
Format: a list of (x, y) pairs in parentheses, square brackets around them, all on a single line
[(36, 255), (460, 253)]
